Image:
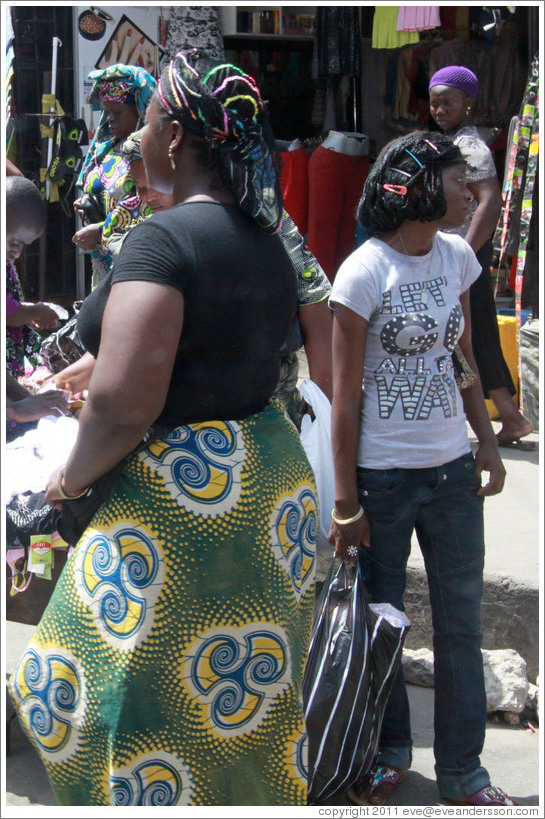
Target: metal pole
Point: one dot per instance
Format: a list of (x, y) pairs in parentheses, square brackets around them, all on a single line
[(56, 44)]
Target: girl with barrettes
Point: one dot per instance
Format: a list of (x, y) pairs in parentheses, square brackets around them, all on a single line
[(403, 460)]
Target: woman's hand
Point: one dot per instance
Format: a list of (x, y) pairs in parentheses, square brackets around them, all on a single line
[(52, 494), (42, 317), (343, 537), (76, 376), (488, 459), (37, 406), (78, 208), (87, 238)]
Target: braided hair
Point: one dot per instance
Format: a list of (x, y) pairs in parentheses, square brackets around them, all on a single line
[(415, 159), (221, 105)]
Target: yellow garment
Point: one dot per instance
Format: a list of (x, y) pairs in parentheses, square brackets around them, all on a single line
[(385, 33), (50, 105)]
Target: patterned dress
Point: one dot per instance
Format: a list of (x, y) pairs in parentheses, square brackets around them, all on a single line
[(110, 182), (21, 342), (167, 668)]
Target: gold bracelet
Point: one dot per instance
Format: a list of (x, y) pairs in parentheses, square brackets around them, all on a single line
[(63, 494), (346, 521)]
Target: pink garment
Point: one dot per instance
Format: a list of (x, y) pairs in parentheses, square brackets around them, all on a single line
[(418, 18)]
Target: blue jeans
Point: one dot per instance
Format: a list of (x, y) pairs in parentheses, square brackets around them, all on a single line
[(441, 505)]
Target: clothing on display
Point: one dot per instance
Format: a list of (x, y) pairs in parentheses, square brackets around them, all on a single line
[(385, 33), (337, 42), (194, 27), (529, 135), (294, 183), (338, 169), (418, 18)]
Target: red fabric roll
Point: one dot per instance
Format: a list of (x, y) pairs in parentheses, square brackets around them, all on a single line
[(294, 183), (335, 186)]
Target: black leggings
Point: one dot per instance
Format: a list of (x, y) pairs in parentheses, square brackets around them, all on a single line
[(485, 334)]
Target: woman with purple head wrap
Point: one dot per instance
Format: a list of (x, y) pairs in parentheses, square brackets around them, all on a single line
[(453, 91)]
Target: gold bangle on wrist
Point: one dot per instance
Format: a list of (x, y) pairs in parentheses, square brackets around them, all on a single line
[(346, 521), (63, 494)]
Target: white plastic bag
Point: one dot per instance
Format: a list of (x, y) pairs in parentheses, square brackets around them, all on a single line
[(316, 440)]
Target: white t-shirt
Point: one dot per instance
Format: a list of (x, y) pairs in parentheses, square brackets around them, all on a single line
[(412, 411)]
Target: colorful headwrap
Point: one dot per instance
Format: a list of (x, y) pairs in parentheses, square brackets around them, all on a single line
[(222, 104), (457, 76), (131, 146), (117, 91), (133, 82)]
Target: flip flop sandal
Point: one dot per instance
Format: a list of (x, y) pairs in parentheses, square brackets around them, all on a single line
[(486, 796), (518, 443), (377, 787)]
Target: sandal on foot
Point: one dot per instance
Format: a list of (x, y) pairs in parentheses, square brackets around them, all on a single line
[(377, 787), (518, 443), (486, 796)]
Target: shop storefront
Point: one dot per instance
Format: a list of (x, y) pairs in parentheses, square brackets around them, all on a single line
[(324, 71)]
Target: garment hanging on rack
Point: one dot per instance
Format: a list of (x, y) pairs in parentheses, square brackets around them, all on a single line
[(418, 18), (337, 51), (194, 27), (385, 33)]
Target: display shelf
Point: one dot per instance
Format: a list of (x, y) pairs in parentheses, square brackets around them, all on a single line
[(268, 21)]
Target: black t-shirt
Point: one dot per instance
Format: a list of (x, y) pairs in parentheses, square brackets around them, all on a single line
[(239, 303)]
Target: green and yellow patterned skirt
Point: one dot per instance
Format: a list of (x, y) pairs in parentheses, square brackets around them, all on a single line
[(167, 668)]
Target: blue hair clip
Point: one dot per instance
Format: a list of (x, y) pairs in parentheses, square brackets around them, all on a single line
[(416, 159)]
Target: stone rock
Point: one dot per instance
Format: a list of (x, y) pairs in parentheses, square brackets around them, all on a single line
[(506, 680), (418, 666), (532, 698), (505, 677)]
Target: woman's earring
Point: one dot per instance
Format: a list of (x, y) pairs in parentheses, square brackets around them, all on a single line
[(172, 163), (468, 110)]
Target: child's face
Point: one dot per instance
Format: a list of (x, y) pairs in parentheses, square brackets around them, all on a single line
[(17, 237)]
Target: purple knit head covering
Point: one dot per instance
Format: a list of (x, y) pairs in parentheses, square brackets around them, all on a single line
[(457, 76)]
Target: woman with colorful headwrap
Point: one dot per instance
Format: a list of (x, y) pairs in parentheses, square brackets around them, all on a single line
[(453, 91), (179, 630), (122, 93)]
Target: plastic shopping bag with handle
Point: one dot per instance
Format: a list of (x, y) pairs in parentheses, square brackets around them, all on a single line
[(316, 440), (354, 655)]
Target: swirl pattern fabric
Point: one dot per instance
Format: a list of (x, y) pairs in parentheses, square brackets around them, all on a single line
[(167, 668)]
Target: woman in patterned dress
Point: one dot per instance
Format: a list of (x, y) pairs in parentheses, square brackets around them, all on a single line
[(122, 93), (167, 668)]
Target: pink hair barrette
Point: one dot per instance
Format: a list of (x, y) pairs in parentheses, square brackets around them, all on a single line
[(401, 190)]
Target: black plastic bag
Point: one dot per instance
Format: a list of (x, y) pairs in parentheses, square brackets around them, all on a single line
[(27, 514), (77, 513), (64, 346), (353, 658)]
